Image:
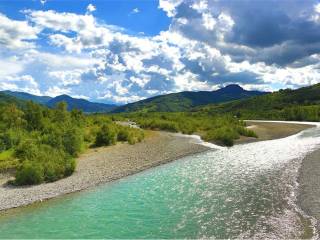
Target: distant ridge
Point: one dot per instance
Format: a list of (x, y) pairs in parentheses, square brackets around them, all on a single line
[(184, 101), (82, 104), (28, 96)]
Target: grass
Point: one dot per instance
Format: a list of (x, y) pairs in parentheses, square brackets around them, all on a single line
[(7, 160)]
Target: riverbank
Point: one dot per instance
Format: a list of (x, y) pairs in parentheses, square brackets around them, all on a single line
[(271, 130), (309, 186), (105, 164)]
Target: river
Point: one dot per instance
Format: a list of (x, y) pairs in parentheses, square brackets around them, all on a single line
[(245, 191)]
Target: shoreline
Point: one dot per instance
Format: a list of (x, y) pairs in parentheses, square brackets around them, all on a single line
[(308, 192), (105, 164)]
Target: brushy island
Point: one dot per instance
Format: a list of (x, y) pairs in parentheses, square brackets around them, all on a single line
[(220, 129), (40, 144)]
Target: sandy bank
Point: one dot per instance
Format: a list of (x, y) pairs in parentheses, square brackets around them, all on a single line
[(105, 164), (272, 130)]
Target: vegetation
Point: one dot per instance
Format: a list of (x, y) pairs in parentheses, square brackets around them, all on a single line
[(41, 144), (184, 101), (301, 105), (220, 129)]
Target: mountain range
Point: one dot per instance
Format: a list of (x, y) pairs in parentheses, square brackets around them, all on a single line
[(184, 101), (73, 103), (230, 99)]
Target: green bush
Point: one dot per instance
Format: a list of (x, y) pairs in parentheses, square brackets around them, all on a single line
[(30, 173), (106, 136), (123, 135), (223, 135), (72, 141), (54, 163), (70, 166)]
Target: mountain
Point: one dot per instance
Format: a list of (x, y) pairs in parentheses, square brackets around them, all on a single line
[(288, 104), (82, 104), (7, 99), (184, 101), (27, 96)]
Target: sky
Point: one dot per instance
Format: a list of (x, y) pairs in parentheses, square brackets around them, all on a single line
[(120, 51)]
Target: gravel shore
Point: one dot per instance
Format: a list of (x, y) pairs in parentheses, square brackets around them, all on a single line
[(105, 164), (271, 130), (309, 186)]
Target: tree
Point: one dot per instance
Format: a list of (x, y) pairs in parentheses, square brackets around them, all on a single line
[(61, 113), (72, 141), (34, 116), (12, 116)]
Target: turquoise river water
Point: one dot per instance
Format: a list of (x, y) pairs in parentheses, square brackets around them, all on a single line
[(239, 192)]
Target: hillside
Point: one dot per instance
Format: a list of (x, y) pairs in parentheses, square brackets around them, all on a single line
[(184, 101), (81, 104), (27, 96), (299, 104), (7, 99)]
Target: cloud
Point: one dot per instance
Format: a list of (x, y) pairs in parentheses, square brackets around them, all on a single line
[(253, 26), (16, 34), (56, 91), (260, 45), (135, 11), (25, 83), (91, 8)]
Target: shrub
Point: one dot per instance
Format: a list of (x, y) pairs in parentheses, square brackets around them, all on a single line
[(54, 163), (11, 138), (223, 135), (29, 173), (70, 167), (27, 149), (123, 135), (106, 136), (72, 141)]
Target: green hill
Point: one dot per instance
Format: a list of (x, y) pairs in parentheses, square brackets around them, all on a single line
[(184, 101), (81, 104), (27, 96), (299, 104), (7, 99)]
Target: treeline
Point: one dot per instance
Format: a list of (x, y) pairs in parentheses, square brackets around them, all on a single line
[(219, 129), (41, 144), (290, 113)]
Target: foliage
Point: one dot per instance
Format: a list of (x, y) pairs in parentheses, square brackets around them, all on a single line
[(222, 129), (41, 144), (106, 136), (30, 173)]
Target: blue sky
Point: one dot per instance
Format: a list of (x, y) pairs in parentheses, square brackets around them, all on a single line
[(119, 51)]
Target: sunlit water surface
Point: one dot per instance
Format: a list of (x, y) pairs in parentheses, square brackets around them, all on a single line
[(239, 192)]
